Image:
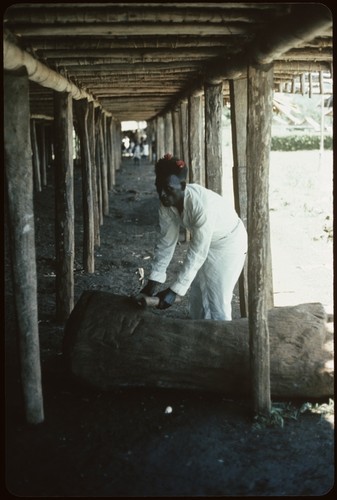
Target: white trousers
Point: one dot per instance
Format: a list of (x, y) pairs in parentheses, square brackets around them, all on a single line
[(212, 289)]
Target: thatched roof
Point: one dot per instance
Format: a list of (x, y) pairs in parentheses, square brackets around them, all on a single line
[(138, 60)]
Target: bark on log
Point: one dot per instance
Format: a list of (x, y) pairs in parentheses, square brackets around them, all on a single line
[(109, 343)]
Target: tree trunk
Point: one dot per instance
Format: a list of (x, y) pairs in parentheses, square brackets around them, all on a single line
[(109, 342)]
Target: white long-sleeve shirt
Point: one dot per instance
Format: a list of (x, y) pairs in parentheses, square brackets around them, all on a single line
[(208, 216)]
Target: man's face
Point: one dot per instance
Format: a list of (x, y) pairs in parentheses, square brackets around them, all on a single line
[(170, 190)]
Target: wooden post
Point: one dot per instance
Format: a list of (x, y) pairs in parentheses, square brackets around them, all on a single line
[(160, 137), (176, 133), (260, 102), (41, 142), (149, 137), (302, 84), (184, 131), (81, 110), (111, 153), (91, 139), (238, 97), (168, 133), (118, 145), (64, 204), (103, 164), (108, 149), (310, 85), (213, 135), (195, 137), (202, 131), (19, 190), (36, 157), (98, 165)]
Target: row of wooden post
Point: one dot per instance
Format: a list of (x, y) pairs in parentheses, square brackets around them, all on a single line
[(27, 154), (192, 131)]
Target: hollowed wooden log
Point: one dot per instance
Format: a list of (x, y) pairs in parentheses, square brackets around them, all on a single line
[(109, 342)]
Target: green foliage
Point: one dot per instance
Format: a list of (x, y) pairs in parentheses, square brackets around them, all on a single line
[(299, 142), (287, 411)]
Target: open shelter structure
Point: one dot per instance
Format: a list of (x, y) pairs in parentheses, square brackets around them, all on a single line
[(174, 65)]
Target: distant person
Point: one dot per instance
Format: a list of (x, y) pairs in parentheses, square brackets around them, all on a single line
[(216, 252)]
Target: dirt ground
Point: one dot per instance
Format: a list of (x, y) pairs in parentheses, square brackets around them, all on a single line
[(125, 443)]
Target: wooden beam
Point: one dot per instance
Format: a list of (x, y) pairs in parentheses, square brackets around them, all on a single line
[(282, 35), (64, 204), (132, 29), (132, 55), (260, 97), (19, 198), (50, 45), (296, 28), (15, 58), (135, 14)]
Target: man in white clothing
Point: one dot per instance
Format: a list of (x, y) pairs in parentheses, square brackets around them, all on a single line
[(216, 252)]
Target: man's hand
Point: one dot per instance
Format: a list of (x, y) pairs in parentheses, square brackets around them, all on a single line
[(150, 288), (167, 298)]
